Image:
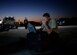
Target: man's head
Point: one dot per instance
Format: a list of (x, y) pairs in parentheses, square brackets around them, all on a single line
[(46, 16)]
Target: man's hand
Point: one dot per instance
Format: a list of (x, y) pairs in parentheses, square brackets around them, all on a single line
[(44, 23), (46, 27)]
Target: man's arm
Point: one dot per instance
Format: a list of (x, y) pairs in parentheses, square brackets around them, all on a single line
[(52, 26), (49, 30)]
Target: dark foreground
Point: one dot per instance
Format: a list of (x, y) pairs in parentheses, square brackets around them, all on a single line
[(14, 41)]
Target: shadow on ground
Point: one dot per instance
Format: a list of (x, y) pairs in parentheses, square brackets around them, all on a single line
[(11, 45), (63, 46)]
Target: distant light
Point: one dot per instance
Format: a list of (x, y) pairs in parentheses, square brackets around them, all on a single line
[(57, 22), (60, 23), (1, 22), (63, 21)]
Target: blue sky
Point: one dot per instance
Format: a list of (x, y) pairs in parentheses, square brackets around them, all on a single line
[(36, 8)]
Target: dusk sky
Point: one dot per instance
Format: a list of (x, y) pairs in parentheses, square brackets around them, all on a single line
[(36, 8)]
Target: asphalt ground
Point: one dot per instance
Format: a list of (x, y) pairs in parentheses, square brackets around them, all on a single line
[(13, 42)]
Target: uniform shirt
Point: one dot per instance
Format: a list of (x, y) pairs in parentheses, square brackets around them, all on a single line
[(51, 25)]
